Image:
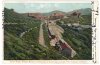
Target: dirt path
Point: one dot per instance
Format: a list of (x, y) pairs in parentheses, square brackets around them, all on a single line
[(41, 36)]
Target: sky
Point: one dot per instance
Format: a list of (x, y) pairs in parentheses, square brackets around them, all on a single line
[(45, 7)]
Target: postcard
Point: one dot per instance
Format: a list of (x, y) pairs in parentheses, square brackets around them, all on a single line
[(53, 31)]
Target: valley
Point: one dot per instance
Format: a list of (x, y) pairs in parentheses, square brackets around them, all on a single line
[(55, 35)]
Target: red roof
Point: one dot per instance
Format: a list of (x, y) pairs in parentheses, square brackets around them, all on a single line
[(63, 45)]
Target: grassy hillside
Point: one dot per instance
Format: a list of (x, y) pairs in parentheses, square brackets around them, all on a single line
[(83, 19), (79, 39), (84, 11), (26, 47)]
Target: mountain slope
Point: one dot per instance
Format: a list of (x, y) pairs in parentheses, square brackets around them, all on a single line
[(85, 11), (52, 12), (26, 47)]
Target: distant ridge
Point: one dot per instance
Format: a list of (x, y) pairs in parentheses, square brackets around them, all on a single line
[(85, 11)]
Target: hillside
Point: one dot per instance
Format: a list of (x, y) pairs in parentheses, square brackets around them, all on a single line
[(21, 34), (52, 12), (26, 47), (86, 11), (84, 18), (79, 38)]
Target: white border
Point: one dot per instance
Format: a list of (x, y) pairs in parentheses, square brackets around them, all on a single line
[(47, 1), (46, 61)]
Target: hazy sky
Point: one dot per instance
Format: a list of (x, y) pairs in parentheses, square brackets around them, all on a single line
[(46, 7)]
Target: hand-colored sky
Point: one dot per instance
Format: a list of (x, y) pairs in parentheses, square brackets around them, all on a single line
[(46, 7)]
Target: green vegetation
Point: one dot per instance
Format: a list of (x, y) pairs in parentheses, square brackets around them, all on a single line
[(79, 39), (46, 36), (83, 19), (79, 42), (26, 47)]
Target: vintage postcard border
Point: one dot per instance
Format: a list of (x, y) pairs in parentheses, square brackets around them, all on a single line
[(95, 13)]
